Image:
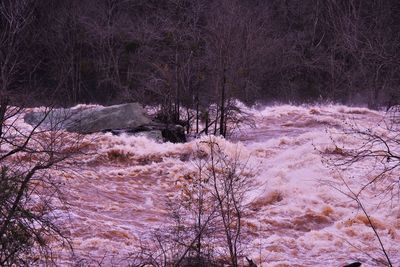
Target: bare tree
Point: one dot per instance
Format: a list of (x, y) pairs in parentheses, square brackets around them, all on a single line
[(68, 49), (378, 148), (236, 42), (208, 212), (364, 48), (230, 189), (31, 160), (28, 190), (15, 19)]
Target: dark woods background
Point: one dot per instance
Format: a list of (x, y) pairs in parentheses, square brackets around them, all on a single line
[(190, 53)]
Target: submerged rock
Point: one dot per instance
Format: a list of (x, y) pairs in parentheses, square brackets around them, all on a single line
[(354, 264), (174, 134), (155, 135), (156, 131)]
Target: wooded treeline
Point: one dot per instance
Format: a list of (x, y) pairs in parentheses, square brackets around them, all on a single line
[(191, 53)]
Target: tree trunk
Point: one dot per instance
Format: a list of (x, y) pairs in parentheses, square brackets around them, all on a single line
[(222, 119), (216, 122), (3, 108), (197, 113), (207, 123)]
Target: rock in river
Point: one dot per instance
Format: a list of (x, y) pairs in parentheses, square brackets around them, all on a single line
[(128, 118)]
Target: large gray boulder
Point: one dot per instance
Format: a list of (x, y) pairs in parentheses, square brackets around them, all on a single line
[(91, 120), (126, 118)]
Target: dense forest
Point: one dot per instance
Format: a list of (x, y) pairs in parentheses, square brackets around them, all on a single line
[(191, 53)]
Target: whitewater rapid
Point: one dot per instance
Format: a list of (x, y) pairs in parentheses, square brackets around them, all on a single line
[(297, 217)]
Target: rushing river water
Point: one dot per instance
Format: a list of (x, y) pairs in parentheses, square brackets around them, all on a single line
[(299, 219)]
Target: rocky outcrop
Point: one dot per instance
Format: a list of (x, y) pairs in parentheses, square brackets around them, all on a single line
[(93, 119), (126, 118)]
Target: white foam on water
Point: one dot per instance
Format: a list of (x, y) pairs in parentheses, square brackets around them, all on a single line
[(299, 218)]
